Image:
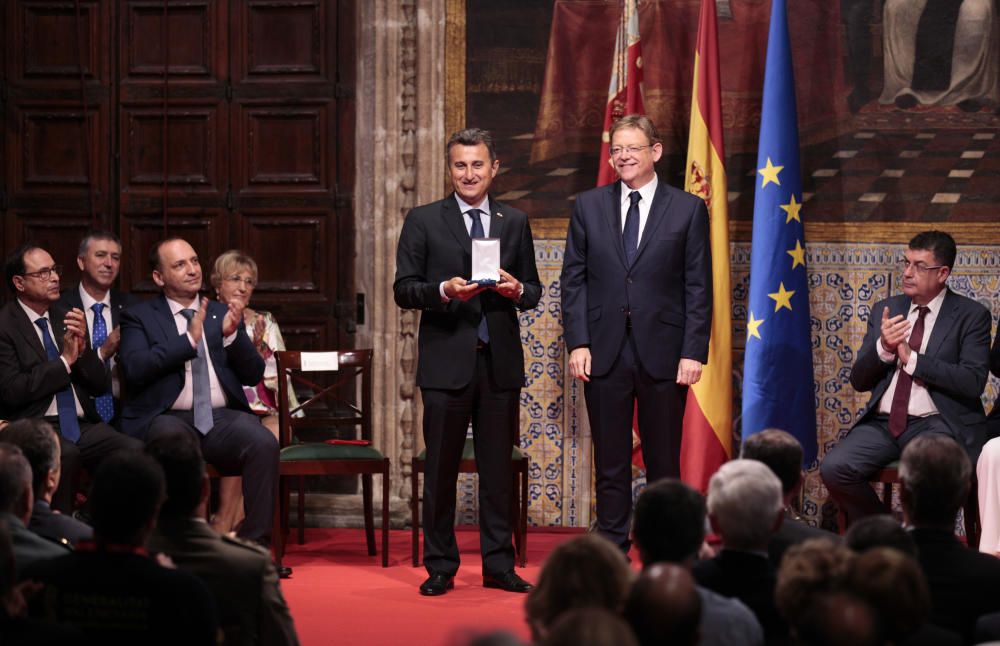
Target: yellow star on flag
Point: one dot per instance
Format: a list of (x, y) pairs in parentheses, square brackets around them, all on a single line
[(770, 173), (798, 255), (753, 327), (782, 297), (792, 209)]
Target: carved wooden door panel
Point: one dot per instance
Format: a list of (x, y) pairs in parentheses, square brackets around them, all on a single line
[(285, 126), (56, 154), (226, 122)]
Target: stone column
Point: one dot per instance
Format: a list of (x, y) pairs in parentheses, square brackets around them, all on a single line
[(399, 154)]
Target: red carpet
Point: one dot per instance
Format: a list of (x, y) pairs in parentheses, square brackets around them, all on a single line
[(340, 595)]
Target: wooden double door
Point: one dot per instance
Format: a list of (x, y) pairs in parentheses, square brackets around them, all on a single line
[(229, 123)]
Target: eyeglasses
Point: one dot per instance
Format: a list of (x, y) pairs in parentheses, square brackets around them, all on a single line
[(249, 282), (919, 266), (46, 273), (618, 150)]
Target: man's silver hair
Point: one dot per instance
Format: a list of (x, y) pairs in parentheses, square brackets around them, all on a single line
[(744, 497)]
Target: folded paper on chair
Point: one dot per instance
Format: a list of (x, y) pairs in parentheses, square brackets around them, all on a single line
[(485, 261), (312, 361)]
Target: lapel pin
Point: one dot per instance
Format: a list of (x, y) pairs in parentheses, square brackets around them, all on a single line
[(213, 316), (499, 214)]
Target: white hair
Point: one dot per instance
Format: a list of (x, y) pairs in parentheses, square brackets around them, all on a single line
[(744, 498)]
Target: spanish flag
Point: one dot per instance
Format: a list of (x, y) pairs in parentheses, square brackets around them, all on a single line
[(625, 89), (708, 417)]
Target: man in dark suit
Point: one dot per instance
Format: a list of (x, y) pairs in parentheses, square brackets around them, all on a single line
[(239, 574), (99, 260), (782, 454), (934, 472), (112, 589), (744, 508), (186, 361), (47, 369), (40, 446), (925, 361), (470, 365), (15, 510), (636, 303)]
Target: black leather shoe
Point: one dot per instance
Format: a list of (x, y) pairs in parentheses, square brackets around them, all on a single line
[(284, 572), (508, 581), (437, 584)]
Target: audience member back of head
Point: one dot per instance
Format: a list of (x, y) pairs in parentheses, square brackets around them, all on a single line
[(663, 606), (111, 589), (585, 571), (669, 527), (590, 627), (934, 473)]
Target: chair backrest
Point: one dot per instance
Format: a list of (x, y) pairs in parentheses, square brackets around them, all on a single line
[(331, 379)]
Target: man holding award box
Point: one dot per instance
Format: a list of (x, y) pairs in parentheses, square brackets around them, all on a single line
[(468, 262)]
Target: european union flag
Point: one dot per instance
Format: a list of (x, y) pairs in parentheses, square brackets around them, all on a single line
[(778, 370)]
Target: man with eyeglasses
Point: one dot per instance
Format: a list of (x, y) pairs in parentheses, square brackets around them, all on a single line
[(48, 369), (925, 361), (186, 359), (99, 259), (637, 313)]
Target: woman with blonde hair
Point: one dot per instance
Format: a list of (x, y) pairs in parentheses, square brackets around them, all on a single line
[(234, 277)]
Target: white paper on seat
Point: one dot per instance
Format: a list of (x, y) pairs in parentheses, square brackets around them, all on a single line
[(486, 259), (313, 361)]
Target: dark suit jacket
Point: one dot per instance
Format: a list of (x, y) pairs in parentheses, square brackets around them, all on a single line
[(751, 578), (792, 532), (70, 298), (29, 380), (29, 547), (667, 290), (954, 368), (152, 357), (963, 582), (124, 598), (57, 527), (434, 246), (240, 575)]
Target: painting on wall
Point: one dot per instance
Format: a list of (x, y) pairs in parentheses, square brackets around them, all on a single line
[(898, 110), (897, 100)]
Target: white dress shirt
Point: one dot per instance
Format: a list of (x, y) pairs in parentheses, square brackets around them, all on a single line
[(921, 404), (88, 303), (185, 401), (484, 217), (646, 193)]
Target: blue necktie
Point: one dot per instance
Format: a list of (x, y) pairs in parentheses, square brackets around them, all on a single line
[(69, 425), (105, 403), (630, 234), (201, 390), (478, 232)]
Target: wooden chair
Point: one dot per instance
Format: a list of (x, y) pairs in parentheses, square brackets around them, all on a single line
[(889, 476), (519, 499), (327, 407)]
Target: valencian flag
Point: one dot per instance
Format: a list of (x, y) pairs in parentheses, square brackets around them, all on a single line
[(708, 417), (778, 370), (625, 90)]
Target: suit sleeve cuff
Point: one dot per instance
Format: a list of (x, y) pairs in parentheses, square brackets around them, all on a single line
[(911, 364), (444, 297), (228, 340)]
